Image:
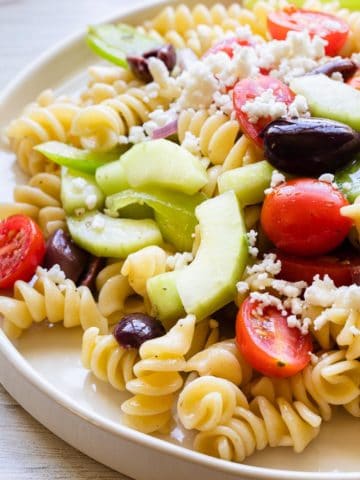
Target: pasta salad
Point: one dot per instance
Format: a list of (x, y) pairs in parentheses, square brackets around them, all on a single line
[(196, 211)]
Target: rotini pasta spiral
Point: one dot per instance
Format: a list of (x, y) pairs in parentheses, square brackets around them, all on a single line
[(100, 126), (142, 265), (333, 380), (47, 300), (223, 360), (116, 297), (40, 124), (207, 402), (279, 424), (157, 378), (107, 82), (40, 199), (206, 333), (106, 359), (219, 137)]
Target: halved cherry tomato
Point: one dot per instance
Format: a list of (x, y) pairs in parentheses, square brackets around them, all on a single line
[(268, 343), (250, 88), (355, 80), (329, 27), (228, 45), (343, 270), (22, 248), (302, 217)]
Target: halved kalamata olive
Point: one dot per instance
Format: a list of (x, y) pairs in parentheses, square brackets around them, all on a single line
[(309, 146), (61, 250), (345, 66), (139, 65), (135, 328), (92, 269)]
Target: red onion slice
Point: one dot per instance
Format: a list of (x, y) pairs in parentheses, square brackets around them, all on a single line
[(165, 131)]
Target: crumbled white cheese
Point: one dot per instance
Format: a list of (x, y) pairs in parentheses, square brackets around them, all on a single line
[(55, 274), (321, 292), (242, 287), (168, 86), (179, 260), (98, 223), (299, 107), (191, 143), (251, 236), (327, 178), (276, 179), (264, 106), (137, 135), (198, 86), (346, 185), (224, 102)]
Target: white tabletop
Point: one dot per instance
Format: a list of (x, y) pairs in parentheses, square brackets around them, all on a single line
[(28, 27)]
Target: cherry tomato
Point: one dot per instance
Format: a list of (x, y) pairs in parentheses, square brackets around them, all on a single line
[(355, 80), (22, 248), (302, 217), (329, 27), (250, 88), (343, 270), (228, 45), (268, 343)]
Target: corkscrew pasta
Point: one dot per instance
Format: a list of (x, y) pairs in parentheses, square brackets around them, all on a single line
[(106, 359), (180, 143)]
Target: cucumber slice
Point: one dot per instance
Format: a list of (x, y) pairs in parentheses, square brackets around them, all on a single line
[(79, 191), (157, 163), (82, 160), (116, 42), (248, 182), (165, 299), (348, 180), (209, 282), (174, 212), (104, 236), (328, 98)]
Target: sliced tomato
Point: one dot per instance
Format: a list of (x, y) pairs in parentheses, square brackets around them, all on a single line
[(342, 269), (268, 343), (325, 25), (248, 89), (302, 217), (228, 45), (22, 248)]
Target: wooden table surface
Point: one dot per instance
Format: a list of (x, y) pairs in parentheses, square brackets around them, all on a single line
[(28, 451)]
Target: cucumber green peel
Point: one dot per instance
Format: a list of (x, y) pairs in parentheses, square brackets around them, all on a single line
[(174, 212), (116, 42), (248, 182), (208, 283), (116, 237), (348, 180), (153, 164), (76, 158)]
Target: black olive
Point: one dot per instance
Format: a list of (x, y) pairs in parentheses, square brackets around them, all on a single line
[(89, 275), (61, 250), (309, 146), (139, 65), (345, 66), (226, 317), (135, 328)]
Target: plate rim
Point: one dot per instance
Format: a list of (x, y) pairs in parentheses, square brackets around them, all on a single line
[(23, 367)]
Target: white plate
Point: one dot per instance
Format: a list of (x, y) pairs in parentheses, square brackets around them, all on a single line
[(42, 370)]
